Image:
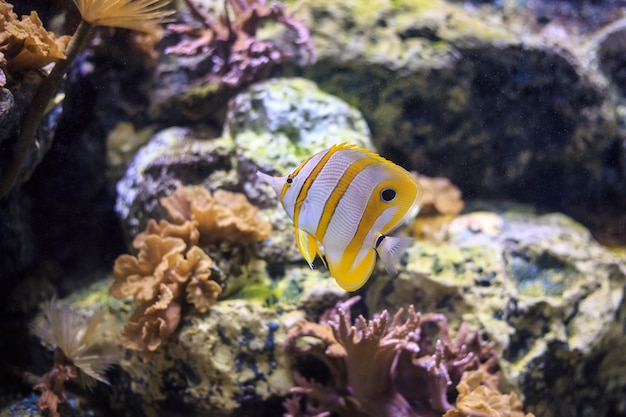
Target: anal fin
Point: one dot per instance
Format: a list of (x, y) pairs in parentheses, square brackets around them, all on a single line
[(307, 245)]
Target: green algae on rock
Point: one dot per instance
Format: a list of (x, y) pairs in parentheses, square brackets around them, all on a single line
[(473, 95), (219, 361), (272, 126), (296, 118)]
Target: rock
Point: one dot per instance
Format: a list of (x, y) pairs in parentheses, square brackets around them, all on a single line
[(280, 123), (218, 362), (171, 158), (273, 127), (15, 98), (480, 95), (542, 289), (15, 221)]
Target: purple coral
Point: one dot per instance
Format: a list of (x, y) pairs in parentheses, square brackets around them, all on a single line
[(236, 55), (384, 366)]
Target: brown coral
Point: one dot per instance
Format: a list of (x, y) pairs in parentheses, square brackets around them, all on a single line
[(221, 216), (171, 270), (141, 276), (477, 400), (153, 322), (385, 366), (25, 43), (161, 277), (201, 291), (440, 196), (187, 231)]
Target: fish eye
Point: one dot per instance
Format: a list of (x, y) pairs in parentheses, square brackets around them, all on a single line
[(289, 180), (388, 194)]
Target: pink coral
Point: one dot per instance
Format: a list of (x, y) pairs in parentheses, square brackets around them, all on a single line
[(387, 366)]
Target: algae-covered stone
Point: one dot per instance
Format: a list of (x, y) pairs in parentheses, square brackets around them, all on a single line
[(279, 123), (476, 95), (539, 286), (218, 362), (173, 157), (273, 126)]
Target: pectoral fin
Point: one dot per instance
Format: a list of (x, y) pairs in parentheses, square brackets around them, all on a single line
[(389, 249)]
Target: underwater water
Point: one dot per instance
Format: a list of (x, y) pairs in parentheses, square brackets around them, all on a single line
[(148, 269)]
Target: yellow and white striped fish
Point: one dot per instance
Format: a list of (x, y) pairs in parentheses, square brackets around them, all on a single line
[(344, 201)]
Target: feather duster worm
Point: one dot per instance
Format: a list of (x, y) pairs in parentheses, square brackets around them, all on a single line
[(81, 353)]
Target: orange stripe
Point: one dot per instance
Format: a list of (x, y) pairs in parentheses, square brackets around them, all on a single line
[(336, 195), (375, 207), (308, 182)]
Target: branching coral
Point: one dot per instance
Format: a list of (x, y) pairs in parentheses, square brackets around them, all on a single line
[(236, 55), (81, 353), (142, 15), (170, 270), (385, 366)]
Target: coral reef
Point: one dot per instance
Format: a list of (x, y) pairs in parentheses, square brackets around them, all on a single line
[(255, 137), (141, 15), (548, 295), (170, 269), (219, 48), (81, 352), (230, 361), (385, 366)]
